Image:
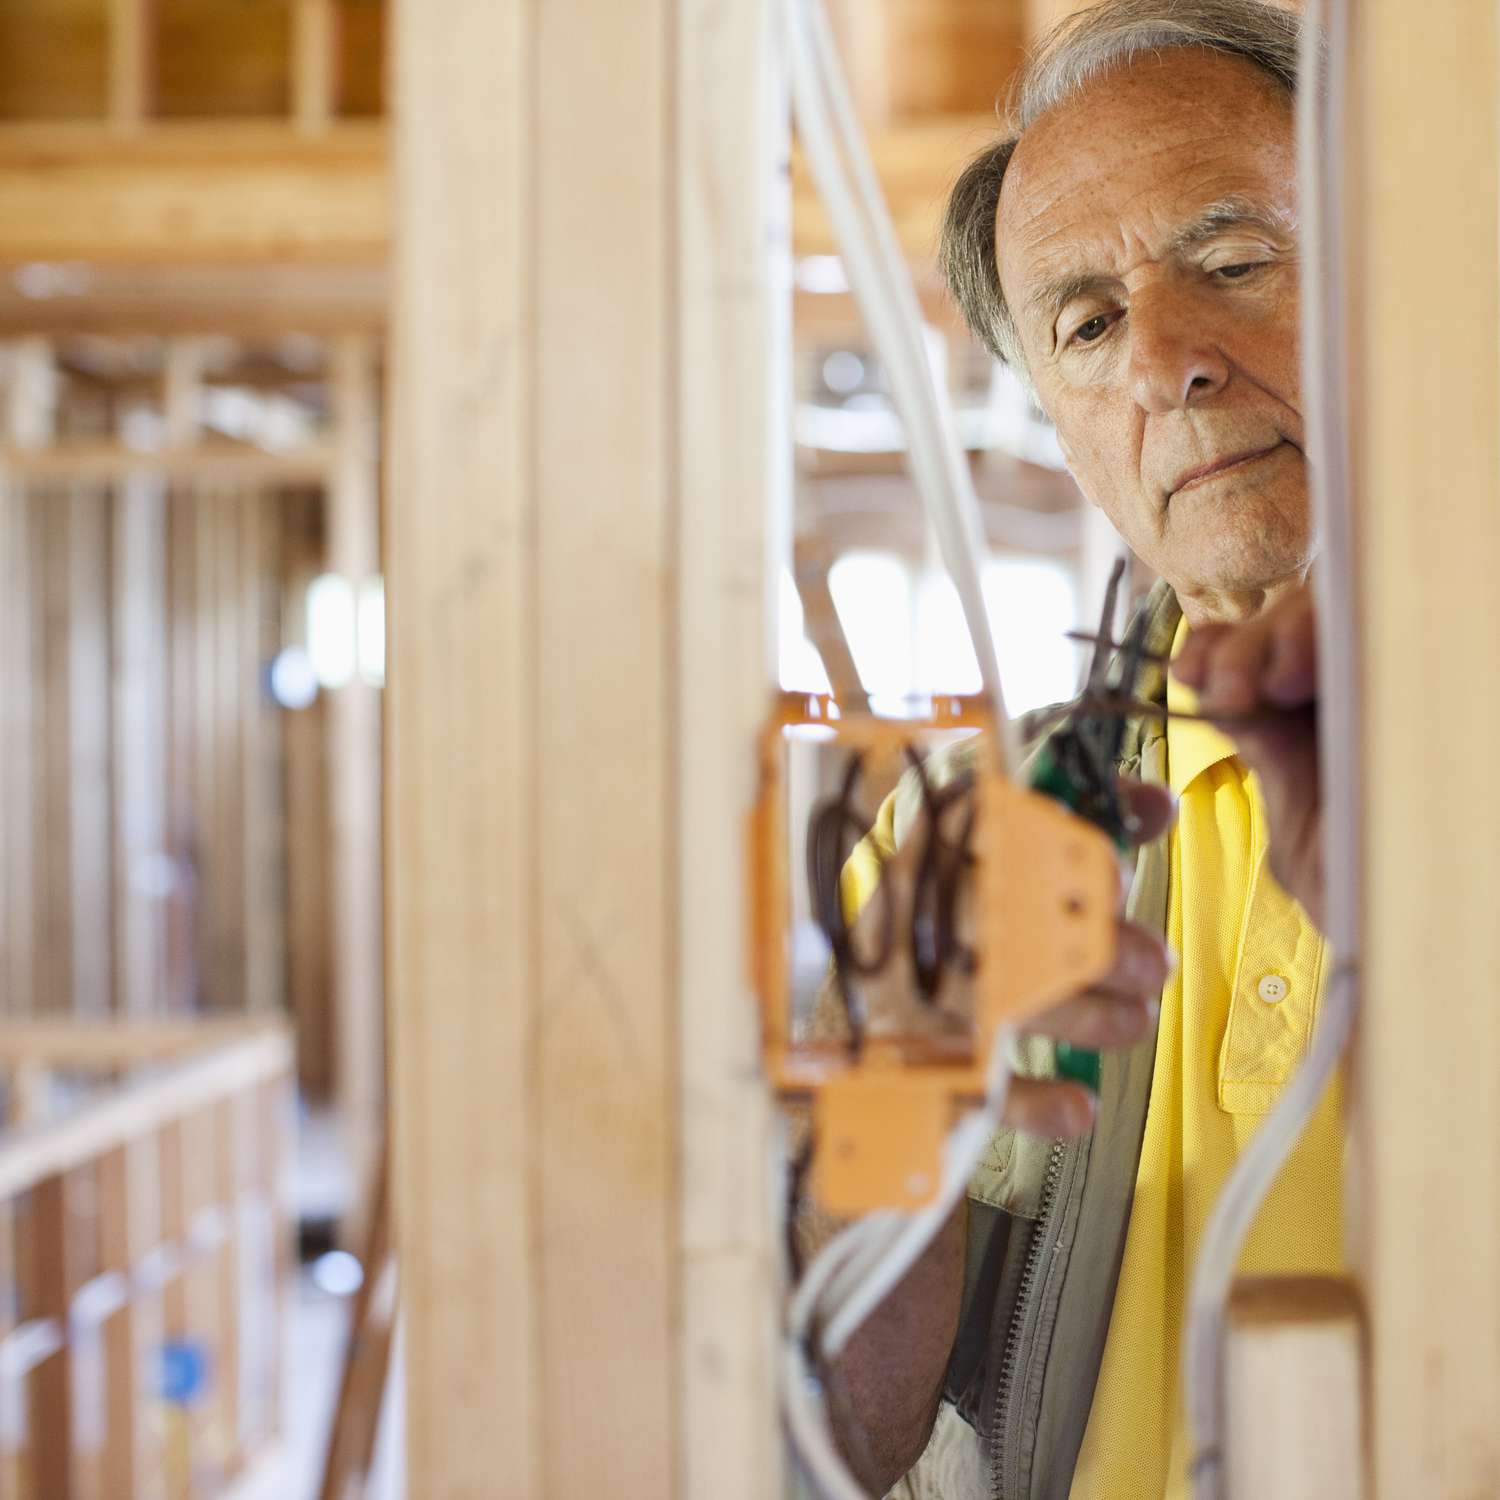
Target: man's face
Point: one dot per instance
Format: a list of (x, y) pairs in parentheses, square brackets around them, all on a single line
[(1147, 249)]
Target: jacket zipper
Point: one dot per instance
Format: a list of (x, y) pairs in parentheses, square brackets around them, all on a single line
[(1011, 1358)]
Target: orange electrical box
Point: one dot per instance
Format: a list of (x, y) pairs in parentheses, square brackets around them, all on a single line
[(995, 902)]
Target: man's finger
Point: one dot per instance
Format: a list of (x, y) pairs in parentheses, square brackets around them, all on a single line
[(1096, 1020), (1149, 809), (1054, 1108)]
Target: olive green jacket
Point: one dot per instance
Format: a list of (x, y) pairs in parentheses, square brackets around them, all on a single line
[(1047, 1222)]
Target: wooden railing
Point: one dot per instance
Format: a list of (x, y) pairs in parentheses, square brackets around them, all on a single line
[(143, 1256)]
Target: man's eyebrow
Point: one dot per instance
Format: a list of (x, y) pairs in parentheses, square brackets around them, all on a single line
[(1049, 298), (1228, 214)]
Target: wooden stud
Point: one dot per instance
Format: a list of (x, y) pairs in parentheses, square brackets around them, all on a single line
[(354, 784), (308, 888), (1293, 1400), (131, 70), (222, 1124), (18, 749), (90, 815), (28, 418), (55, 990), (314, 64), (183, 826), (733, 522), (577, 662), (460, 838), (128, 1212), (49, 1281), (142, 870), (264, 909), (1424, 1199)]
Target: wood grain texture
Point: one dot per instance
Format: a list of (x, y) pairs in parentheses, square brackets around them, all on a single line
[(462, 968), (605, 747), (1293, 1394), (1425, 1189), (190, 193), (733, 523), (576, 560)]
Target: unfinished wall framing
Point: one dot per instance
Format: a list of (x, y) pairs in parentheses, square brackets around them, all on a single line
[(579, 628)]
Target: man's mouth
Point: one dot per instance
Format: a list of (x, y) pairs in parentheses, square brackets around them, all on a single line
[(1204, 472)]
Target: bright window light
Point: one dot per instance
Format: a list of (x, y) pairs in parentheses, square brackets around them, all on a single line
[(872, 592), (371, 631), (331, 629), (1032, 604), (800, 668)]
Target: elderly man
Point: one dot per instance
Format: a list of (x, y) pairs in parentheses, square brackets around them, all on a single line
[(1132, 252)]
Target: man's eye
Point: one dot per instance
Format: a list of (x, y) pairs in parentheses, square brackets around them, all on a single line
[(1086, 333), (1238, 272)]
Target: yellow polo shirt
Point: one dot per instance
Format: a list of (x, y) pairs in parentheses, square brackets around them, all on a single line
[(1235, 1022)]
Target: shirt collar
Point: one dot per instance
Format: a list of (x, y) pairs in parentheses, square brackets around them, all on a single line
[(1192, 746)]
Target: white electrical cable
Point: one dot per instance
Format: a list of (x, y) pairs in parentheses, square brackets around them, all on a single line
[(1320, 119), (854, 1273), (858, 1269), (834, 145)]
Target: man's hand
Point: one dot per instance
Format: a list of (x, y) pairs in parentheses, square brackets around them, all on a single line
[(1117, 1012), (1260, 681)]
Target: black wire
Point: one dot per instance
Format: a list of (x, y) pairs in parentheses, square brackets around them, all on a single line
[(935, 945), (834, 830)]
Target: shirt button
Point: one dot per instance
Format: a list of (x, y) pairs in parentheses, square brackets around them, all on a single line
[(1272, 988)]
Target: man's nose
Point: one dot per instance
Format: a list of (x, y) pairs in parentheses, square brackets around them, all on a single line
[(1174, 360)]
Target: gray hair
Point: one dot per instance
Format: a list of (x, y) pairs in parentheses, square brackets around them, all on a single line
[(1072, 54)]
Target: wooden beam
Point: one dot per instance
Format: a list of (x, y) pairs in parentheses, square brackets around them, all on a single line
[(220, 467), (314, 64), (579, 661), (101, 1046), (193, 193), (184, 194), (1426, 1221), (173, 299), (137, 1110)]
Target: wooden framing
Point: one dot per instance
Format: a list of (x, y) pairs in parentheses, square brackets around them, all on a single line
[(131, 71), (1425, 1190), (353, 512), (314, 64), (578, 665), (173, 194), (138, 1227)]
